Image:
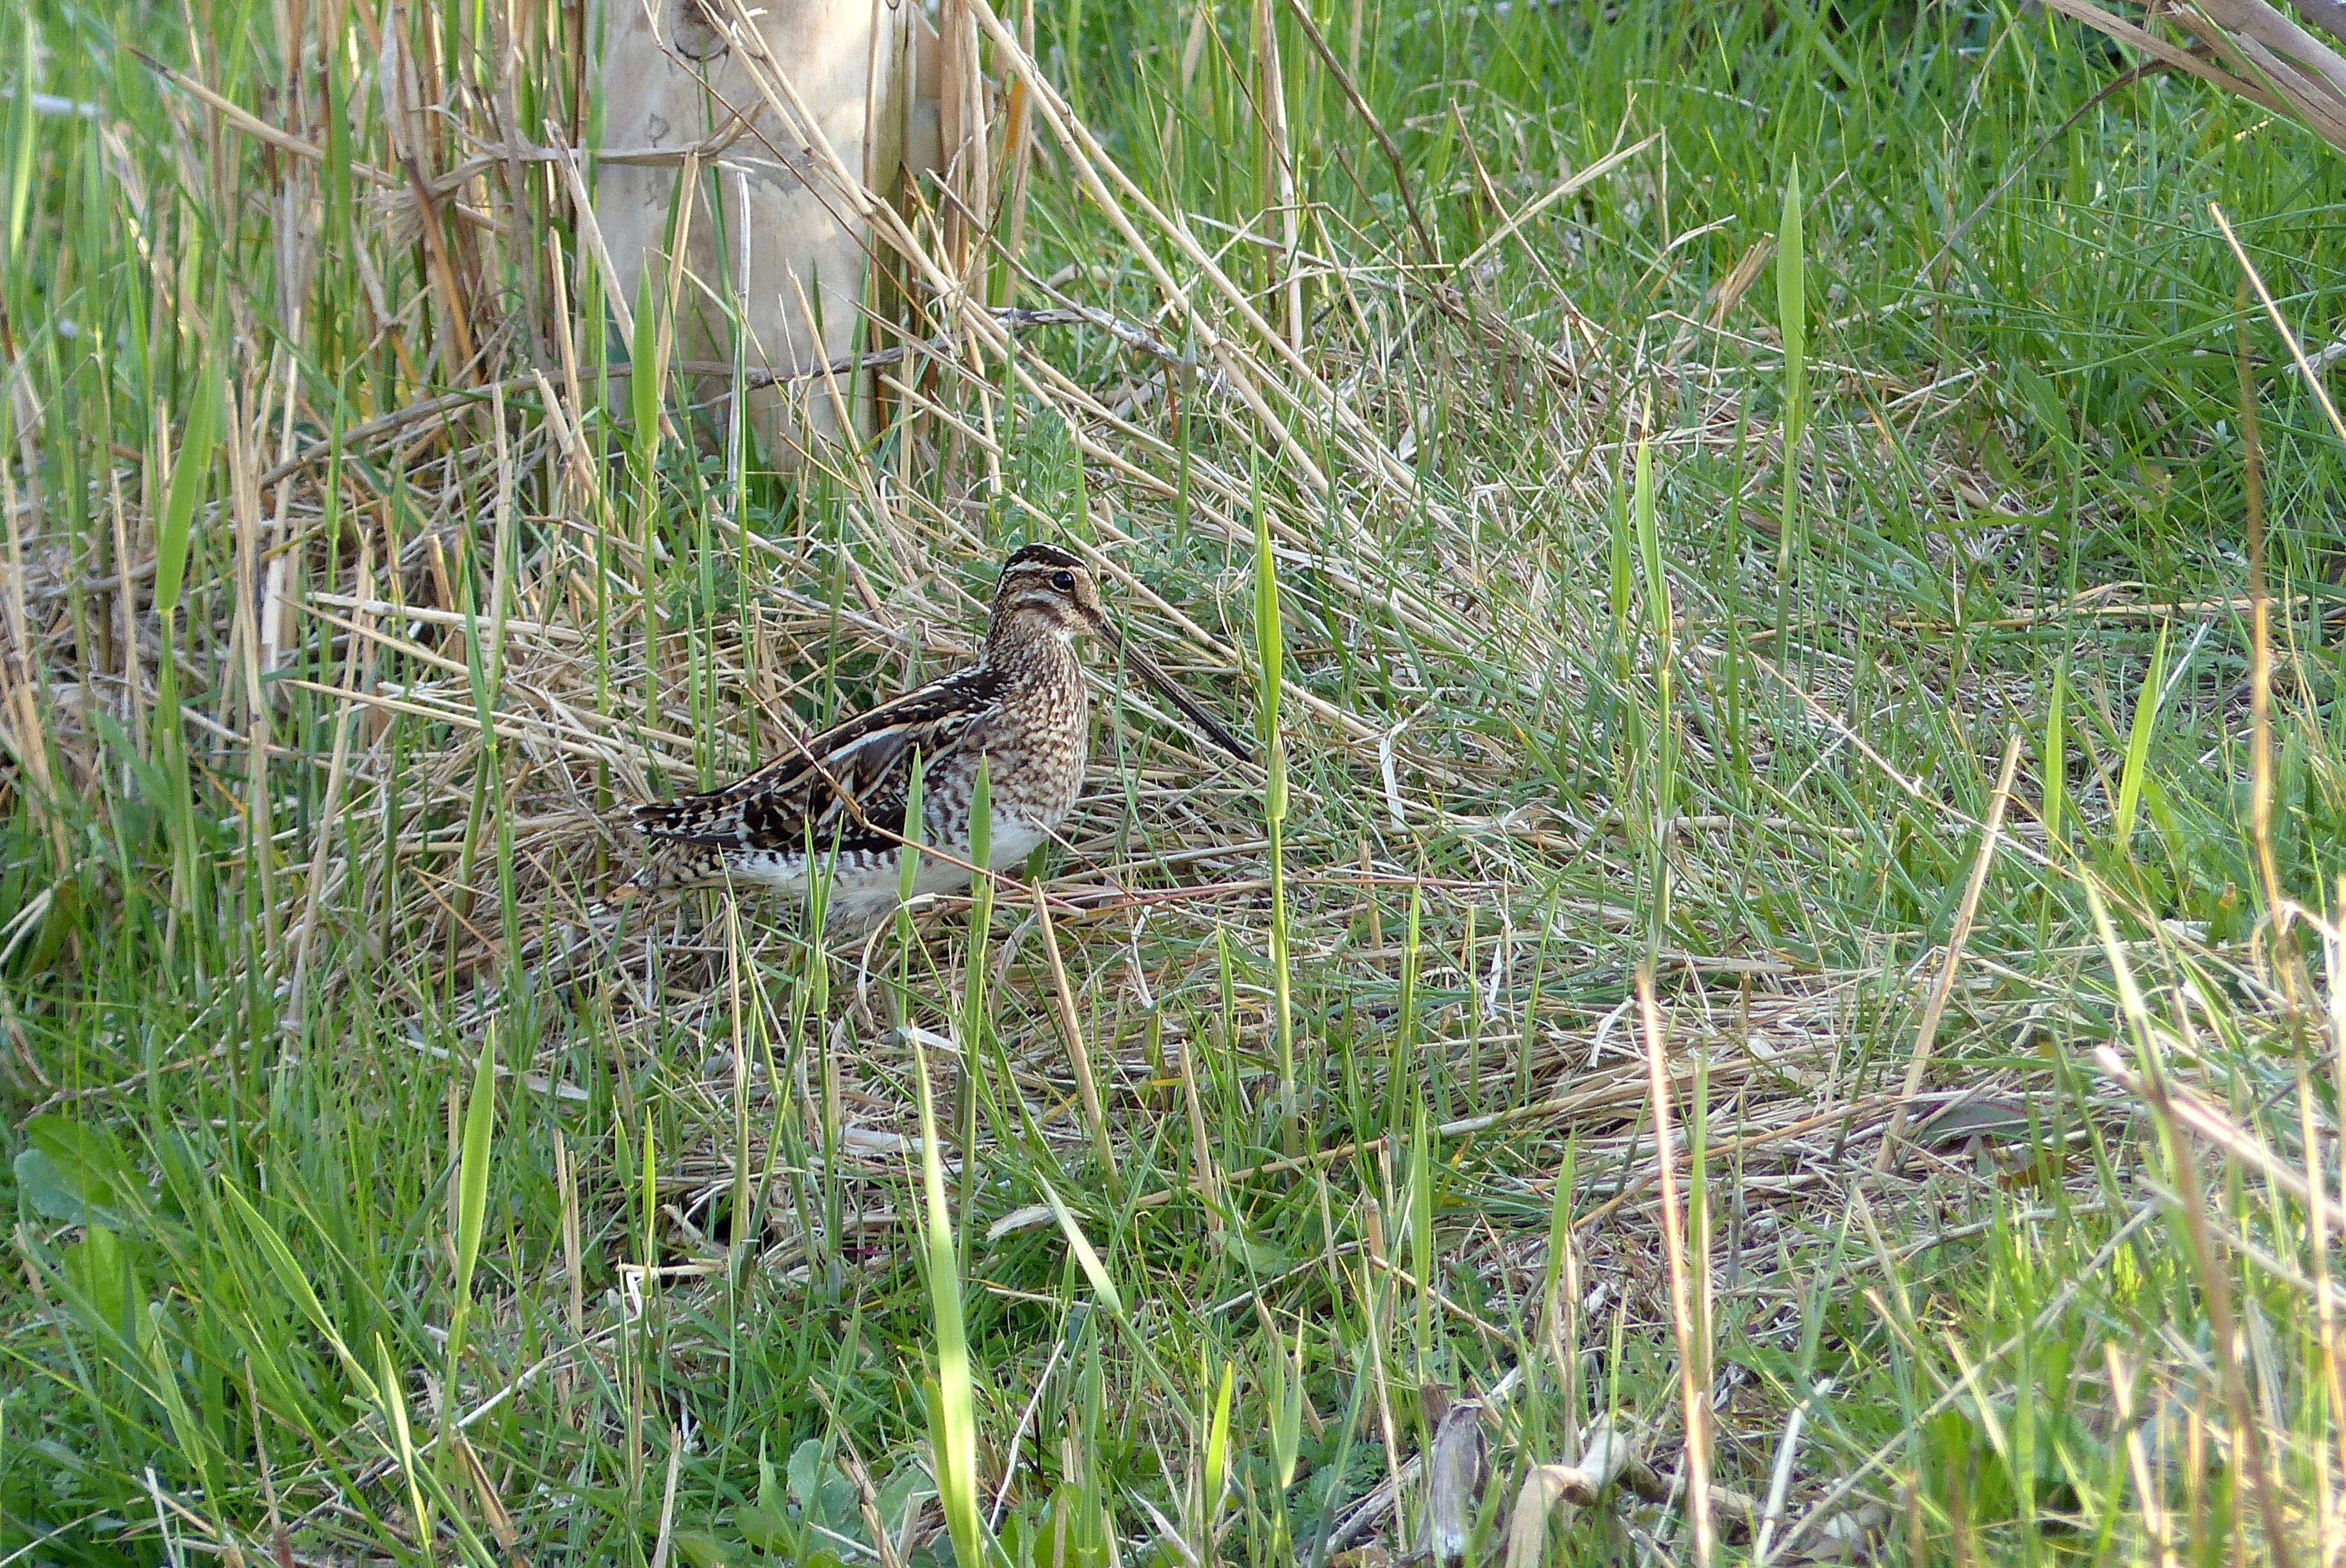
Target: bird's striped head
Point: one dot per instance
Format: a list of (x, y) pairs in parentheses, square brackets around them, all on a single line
[(1045, 589)]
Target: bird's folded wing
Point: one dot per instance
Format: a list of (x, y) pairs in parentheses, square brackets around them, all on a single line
[(847, 785)]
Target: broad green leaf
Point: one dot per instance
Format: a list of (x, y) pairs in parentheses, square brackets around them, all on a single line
[(765, 1524), (77, 1175), (701, 1550), (99, 1271)]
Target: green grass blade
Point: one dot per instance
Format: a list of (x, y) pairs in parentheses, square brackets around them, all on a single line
[(646, 373), (2147, 703), (953, 1407), (2056, 754), (1649, 547), (908, 857), (650, 1210), (1270, 651), (981, 911), (291, 1280), (1270, 641), (473, 1188), (1218, 1455), (1792, 325), (191, 469), (1793, 309), (20, 133), (1086, 1258), (392, 1397), (1283, 1392), (194, 1442)]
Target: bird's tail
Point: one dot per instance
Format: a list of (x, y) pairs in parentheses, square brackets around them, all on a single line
[(717, 816), (673, 868)]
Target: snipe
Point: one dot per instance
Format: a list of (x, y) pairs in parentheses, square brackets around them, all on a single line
[(842, 794)]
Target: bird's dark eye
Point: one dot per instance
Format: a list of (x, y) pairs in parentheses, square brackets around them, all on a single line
[(1064, 581)]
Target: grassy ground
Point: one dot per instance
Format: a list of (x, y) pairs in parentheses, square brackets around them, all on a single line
[(1480, 505)]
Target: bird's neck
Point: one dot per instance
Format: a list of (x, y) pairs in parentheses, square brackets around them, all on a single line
[(1024, 652)]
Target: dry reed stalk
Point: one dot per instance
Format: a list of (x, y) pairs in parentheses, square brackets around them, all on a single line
[(24, 731), (1311, 399), (1927, 1032), (1281, 191), (2265, 56), (1018, 155), (1542, 1488), (1079, 1056), (1348, 80), (2151, 1081), (260, 130), (330, 817), (2333, 1368), (2261, 634), (2334, 938), (524, 228), (1372, 1294), (245, 634), (2279, 910), (1111, 187), (1694, 1356), (965, 110)]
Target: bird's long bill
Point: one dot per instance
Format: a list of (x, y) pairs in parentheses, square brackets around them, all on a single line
[(1181, 699)]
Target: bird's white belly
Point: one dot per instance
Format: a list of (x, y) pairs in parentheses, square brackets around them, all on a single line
[(768, 868), (1015, 838), (861, 895)]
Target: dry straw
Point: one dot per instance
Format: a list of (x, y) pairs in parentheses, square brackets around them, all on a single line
[(2247, 47)]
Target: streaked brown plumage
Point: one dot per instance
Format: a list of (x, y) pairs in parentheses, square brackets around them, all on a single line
[(1021, 705)]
